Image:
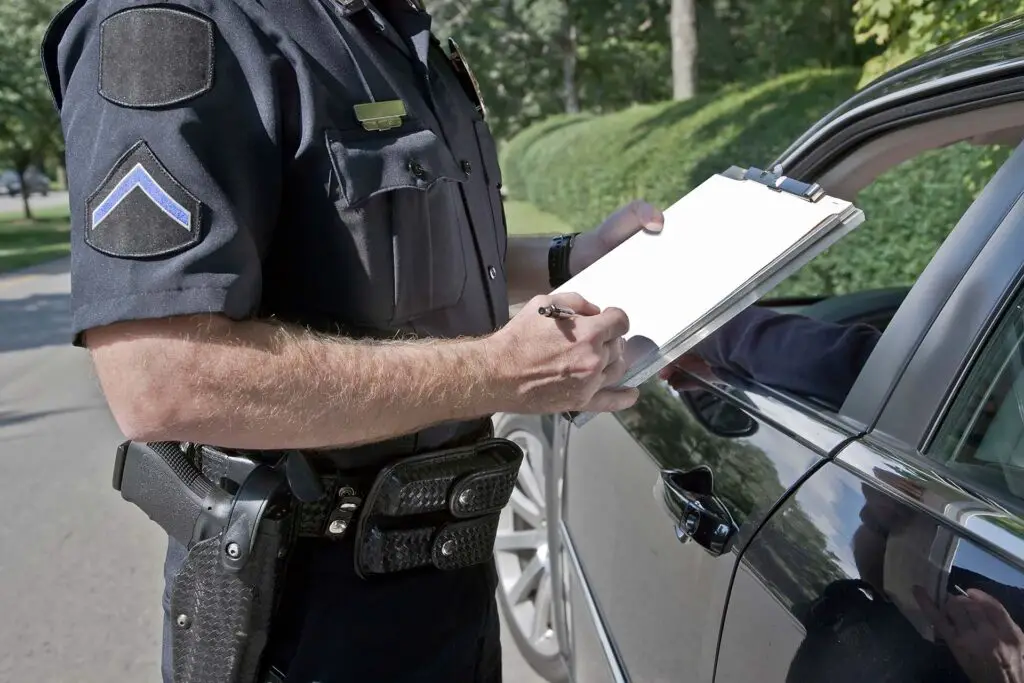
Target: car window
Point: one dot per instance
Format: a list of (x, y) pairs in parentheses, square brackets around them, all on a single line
[(981, 437), (909, 211)]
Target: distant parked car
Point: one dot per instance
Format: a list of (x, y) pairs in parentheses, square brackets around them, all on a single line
[(36, 181)]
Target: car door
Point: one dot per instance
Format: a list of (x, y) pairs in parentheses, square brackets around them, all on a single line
[(921, 573), (646, 593)]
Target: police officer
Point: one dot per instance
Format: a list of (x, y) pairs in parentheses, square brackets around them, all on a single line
[(288, 233)]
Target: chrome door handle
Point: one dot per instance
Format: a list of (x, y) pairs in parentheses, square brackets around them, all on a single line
[(699, 516)]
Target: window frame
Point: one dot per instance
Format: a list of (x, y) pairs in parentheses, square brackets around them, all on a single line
[(992, 369), (916, 368)]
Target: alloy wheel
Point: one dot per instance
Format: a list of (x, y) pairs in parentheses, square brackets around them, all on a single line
[(522, 553)]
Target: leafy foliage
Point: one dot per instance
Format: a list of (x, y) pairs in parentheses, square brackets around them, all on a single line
[(909, 211), (517, 48), (29, 126), (580, 168), (908, 28), (761, 39), (622, 48)]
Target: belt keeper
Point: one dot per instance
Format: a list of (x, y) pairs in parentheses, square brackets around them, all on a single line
[(340, 518)]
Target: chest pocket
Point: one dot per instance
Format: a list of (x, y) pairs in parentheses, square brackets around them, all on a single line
[(404, 223)]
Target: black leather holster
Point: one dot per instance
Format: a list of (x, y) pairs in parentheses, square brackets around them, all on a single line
[(239, 514)]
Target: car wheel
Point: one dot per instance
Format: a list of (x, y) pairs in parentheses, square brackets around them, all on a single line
[(521, 552)]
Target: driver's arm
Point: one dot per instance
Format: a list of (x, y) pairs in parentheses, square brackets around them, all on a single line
[(791, 352)]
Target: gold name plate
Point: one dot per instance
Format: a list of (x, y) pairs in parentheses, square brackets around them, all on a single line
[(380, 115)]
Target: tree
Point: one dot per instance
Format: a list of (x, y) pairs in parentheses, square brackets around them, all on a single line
[(757, 40), (29, 126), (536, 58), (908, 28), (684, 49)]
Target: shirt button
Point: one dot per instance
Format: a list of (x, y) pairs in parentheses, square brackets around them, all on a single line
[(492, 271), (467, 167), (417, 169)]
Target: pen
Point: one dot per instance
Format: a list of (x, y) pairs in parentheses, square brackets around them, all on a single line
[(554, 311)]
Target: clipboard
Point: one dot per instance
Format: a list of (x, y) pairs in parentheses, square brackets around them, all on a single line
[(725, 244)]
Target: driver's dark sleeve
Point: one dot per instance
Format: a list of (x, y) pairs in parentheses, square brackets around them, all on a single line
[(174, 162), (791, 352)]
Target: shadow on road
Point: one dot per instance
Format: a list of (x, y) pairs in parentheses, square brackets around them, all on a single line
[(34, 321), (13, 417)]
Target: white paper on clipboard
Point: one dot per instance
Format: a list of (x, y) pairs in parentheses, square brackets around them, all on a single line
[(724, 245)]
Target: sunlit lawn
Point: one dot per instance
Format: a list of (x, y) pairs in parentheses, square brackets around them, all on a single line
[(24, 243), (526, 219)]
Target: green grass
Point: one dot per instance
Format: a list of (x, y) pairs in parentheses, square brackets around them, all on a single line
[(25, 243), (526, 219)]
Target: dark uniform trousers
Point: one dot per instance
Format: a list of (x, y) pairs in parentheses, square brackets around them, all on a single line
[(335, 627), (216, 164)]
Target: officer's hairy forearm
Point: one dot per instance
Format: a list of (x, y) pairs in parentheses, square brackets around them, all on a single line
[(260, 385)]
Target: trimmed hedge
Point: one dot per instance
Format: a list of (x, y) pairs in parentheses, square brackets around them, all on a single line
[(581, 168)]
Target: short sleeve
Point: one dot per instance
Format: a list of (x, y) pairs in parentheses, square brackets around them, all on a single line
[(172, 125)]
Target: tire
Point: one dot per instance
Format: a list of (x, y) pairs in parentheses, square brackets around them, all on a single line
[(525, 580)]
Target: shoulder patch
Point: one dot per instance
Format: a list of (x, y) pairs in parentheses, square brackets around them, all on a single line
[(140, 210), (155, 57)]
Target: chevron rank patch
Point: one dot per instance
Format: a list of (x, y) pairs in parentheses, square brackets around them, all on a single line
[(141, 211)]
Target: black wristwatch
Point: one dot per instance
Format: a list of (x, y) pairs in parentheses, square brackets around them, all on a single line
[(558, 259)]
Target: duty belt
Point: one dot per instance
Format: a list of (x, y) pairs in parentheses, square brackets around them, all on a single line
[(437, 509)]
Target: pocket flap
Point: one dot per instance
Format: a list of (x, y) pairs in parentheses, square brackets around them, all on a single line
[(368, 163)]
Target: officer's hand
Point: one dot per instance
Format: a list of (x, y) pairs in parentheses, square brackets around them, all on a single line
[(615, 229), (552, 366), (987, 643)]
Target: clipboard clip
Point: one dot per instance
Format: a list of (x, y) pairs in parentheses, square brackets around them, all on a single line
[(811, 192)]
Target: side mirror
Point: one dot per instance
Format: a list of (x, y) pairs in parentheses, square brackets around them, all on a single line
[(718, 416)]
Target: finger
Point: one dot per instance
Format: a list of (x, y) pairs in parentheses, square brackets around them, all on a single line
[(611, 400), (614, 323), (615, 371), (933, 614), (647, 216), (616, 349), (995, 614), (983, 598), (684, 382), (574, 301), (956, 612)]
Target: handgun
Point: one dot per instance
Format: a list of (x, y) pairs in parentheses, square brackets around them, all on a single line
[(166, 484)]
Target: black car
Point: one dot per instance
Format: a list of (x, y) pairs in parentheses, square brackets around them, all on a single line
[(742, 533)]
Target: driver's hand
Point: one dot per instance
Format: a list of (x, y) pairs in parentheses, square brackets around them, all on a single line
[(680, 373)]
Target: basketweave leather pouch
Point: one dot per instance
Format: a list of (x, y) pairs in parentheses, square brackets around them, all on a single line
[(436, 510)]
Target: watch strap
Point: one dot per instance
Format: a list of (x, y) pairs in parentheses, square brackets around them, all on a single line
[(558, 259)]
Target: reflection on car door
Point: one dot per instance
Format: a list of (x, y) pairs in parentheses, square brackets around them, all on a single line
[(922, 575), (657, 500), (887, 566)]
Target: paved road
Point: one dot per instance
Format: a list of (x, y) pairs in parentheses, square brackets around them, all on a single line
[(13, 204), (79, 569)]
